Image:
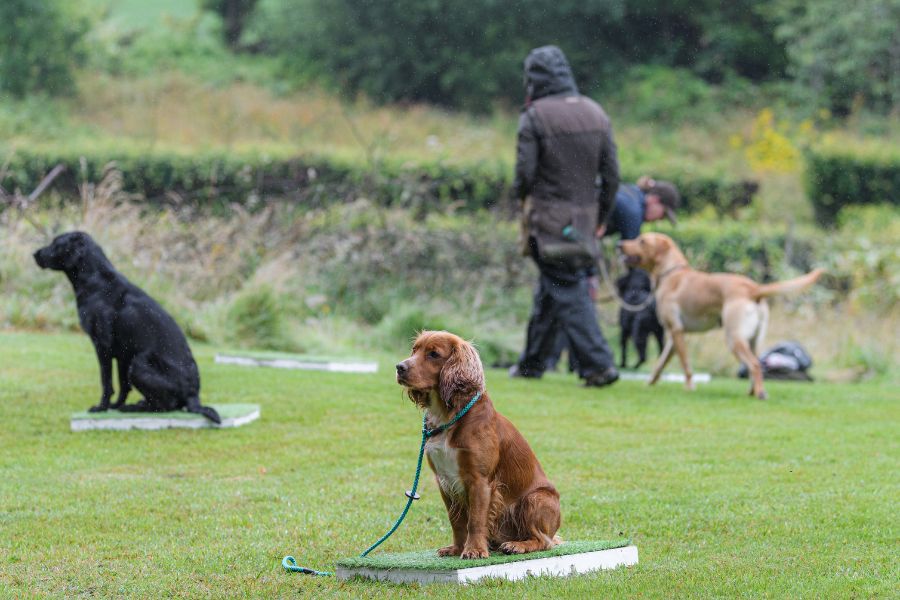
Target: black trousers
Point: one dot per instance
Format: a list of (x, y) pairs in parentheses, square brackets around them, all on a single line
[(564, 304)]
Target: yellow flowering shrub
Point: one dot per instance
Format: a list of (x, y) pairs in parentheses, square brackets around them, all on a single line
[(769, 147)]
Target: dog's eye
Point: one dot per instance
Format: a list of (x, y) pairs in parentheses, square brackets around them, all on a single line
[(642, 242), (433, 354)]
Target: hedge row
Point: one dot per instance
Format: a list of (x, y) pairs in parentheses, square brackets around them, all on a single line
[(841, 176), (206, 177)]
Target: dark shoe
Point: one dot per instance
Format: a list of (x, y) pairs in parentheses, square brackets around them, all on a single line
[(517, 371), (607, 377)]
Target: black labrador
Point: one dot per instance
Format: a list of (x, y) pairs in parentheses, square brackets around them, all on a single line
[(634, 288), (126, 324)]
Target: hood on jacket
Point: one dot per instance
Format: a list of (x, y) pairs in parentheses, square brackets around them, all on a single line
[(547, 73)]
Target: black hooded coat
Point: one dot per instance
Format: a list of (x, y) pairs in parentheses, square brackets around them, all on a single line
[(565, 141)]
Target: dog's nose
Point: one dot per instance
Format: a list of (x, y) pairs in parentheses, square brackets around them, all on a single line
[(619, 245), (402, 368)]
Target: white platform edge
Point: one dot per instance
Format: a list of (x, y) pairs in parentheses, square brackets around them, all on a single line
[(154, 424), (555, 566), (288, 363), (667, 377)]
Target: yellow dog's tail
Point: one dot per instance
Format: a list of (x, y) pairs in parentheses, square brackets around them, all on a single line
[(788, 287)]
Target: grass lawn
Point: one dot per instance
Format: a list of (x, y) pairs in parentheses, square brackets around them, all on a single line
[(140, 13), (723, 495)]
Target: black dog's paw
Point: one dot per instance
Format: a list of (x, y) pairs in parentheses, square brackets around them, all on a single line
[(98, 408)]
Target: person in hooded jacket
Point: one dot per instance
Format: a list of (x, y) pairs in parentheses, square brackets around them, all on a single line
[(565, 151)]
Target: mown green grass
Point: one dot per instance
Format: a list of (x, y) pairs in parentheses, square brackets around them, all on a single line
[(723, 495), (140, 13)]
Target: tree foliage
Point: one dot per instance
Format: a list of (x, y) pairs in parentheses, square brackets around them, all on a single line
[(845, 56), (39, 46), (470, 54)]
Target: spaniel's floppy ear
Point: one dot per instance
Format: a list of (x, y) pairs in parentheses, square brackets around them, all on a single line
[(461, 377)]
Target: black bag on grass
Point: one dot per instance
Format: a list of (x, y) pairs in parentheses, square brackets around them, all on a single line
[(785, 360)]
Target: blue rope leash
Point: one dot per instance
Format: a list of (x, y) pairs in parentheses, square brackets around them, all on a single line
[(291, 565)]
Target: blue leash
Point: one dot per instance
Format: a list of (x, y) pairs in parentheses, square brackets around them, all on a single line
[(291, 565)]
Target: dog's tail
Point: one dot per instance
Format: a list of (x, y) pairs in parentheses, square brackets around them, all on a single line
[(787, 287), (193, 405)]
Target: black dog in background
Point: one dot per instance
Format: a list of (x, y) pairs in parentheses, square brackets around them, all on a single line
[(126, 324), (634, 288)]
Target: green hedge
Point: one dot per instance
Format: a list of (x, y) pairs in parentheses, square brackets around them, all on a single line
[(210, 176), (838, 177)]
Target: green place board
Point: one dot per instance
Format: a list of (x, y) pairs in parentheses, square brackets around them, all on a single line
[(568, 558)]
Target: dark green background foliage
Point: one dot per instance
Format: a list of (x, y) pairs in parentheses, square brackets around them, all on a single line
[(837, 177), (470, 54), (39, 46), (844, 57)]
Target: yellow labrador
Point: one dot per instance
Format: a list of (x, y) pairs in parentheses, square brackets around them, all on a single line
[(688, 301)]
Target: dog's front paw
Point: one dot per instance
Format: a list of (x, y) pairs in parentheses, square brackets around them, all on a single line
[(450, 551), (470, 553), (512, 548), (99, 408)]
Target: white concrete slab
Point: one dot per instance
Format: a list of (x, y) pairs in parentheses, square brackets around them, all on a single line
[(554, 566), (154, 422), (666, 377), (302, 364)]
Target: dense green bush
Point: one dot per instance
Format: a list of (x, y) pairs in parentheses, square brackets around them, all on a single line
[(256, 320), (469, 55), (844, 56), (664, 95), (842, 176), (39, 46)]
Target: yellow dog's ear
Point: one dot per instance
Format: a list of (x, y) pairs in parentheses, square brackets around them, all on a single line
[(461, 376), (661, 246)]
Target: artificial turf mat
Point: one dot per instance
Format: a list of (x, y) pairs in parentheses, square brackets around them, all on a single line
[(226, 411), (428, 560)]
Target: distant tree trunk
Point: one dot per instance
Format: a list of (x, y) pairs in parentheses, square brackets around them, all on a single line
[(234, 15), (894, 74)]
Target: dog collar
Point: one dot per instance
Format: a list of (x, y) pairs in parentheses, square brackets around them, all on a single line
[(441, 428), (667, 272)]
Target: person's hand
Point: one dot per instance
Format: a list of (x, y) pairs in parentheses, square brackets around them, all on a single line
[(601, 230), (593, 287)]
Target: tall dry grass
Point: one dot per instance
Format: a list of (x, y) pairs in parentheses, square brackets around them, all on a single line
[(348, 276), (173, 109), (355, 278), (176, 110)]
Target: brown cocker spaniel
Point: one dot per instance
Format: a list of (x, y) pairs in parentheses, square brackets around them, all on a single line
[(495, 491)]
